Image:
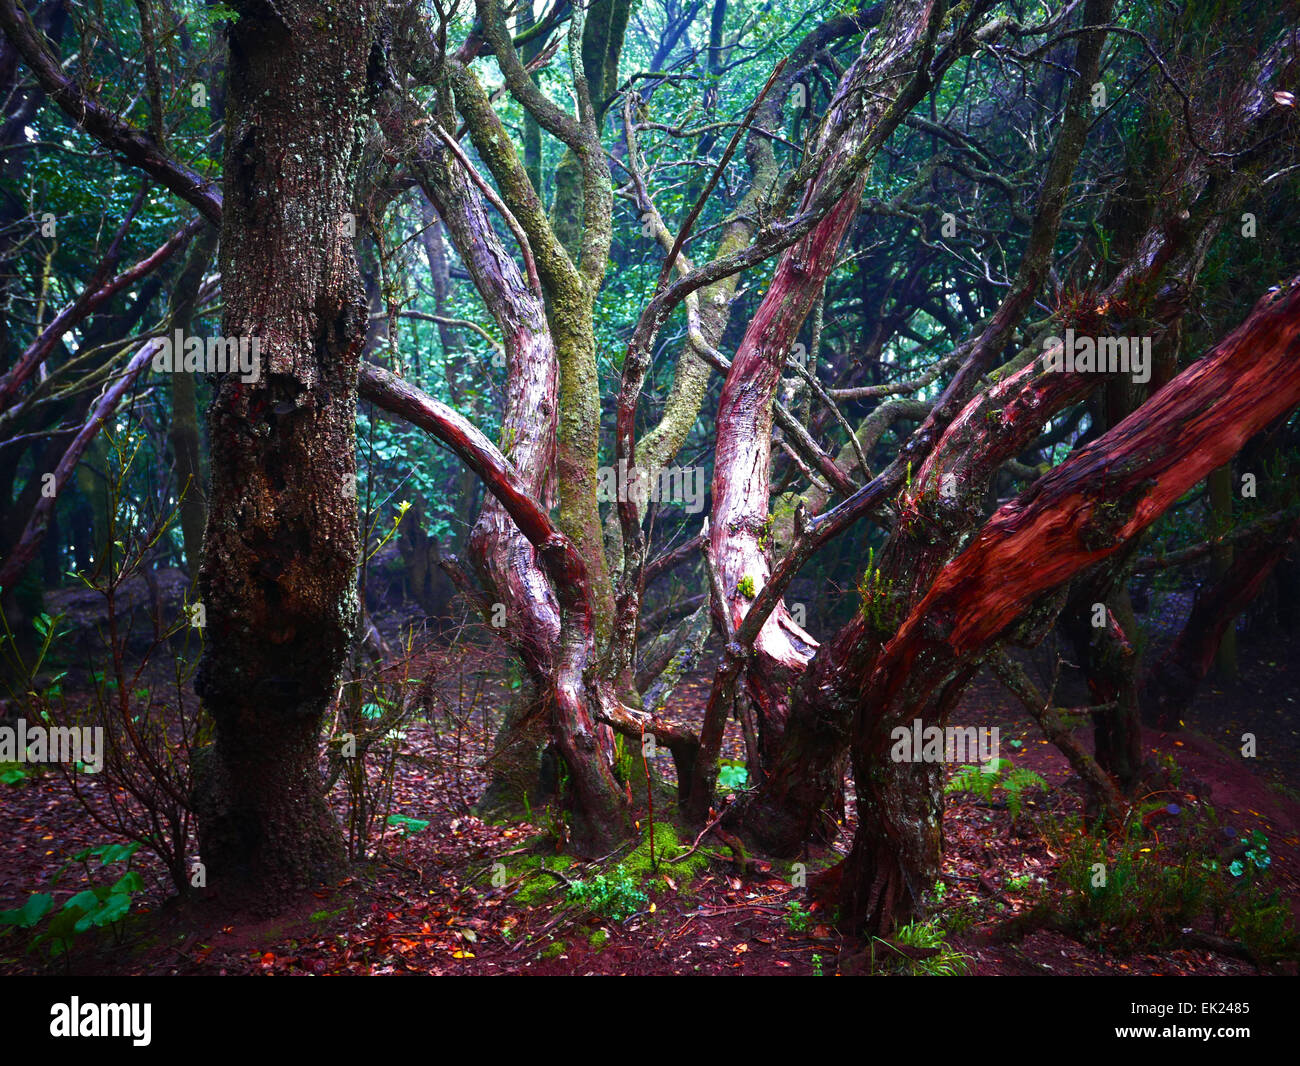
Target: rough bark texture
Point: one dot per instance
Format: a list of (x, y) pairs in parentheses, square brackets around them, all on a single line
[(278, 582)]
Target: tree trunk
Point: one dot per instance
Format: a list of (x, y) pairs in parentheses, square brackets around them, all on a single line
[(1219, 488), (1074, 517), (184, 432), (1170, 687), (278, 581), (856, 123)]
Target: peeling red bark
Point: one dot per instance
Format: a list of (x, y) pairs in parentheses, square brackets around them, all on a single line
[(1077, 515), (856, 122)]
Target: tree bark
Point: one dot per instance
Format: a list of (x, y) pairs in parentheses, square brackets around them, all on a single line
[(856, 123), (1074, 517), (1171, 686), (278, 582)]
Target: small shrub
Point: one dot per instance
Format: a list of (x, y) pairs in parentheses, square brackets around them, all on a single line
[(947, 962), (732, 775), (616, 896), (96, 907)]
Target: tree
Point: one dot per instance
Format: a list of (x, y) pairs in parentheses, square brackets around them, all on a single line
[(885, 227)]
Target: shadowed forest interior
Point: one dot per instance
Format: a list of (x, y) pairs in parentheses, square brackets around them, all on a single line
[(649, 486)]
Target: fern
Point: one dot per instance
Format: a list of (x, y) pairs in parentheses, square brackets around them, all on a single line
[(1013, 781), (1016, 783)]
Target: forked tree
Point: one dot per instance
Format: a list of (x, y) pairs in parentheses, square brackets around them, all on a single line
[(945, 177)]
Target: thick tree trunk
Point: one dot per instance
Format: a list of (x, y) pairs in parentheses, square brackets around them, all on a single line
[(806, 780), (278, 582), (1099, 621), (899, 842)]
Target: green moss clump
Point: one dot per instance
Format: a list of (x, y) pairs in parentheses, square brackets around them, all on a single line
[(536, 885), (745, 586), (598, 939), (554, 949), (667, 846)]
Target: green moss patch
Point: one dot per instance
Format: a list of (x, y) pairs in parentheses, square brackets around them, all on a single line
[(667, 846)]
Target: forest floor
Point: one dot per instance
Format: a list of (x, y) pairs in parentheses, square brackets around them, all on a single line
[(427, 901)]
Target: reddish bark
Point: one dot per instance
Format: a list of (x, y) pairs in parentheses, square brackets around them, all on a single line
[(504, 557), (29, 542), (603, 818), (856, 123), (1104, 495), (1077, 515), (98, 292), (804, 783)]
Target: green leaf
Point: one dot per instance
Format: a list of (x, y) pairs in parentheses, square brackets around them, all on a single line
[(732, 775), (108, 912), (86, 900), (116, 852), (61, 930), (38, 905), (128, 882), (408, 825)]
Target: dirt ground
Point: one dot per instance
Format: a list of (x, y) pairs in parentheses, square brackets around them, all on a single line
[(425, 902)]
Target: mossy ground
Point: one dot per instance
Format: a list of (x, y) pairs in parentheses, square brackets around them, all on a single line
[(536, 886), (667, 846)]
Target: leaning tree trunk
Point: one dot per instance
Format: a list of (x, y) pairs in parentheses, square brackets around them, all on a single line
[(869, 102), (278, 581), (1074, 517), (505, 561)]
